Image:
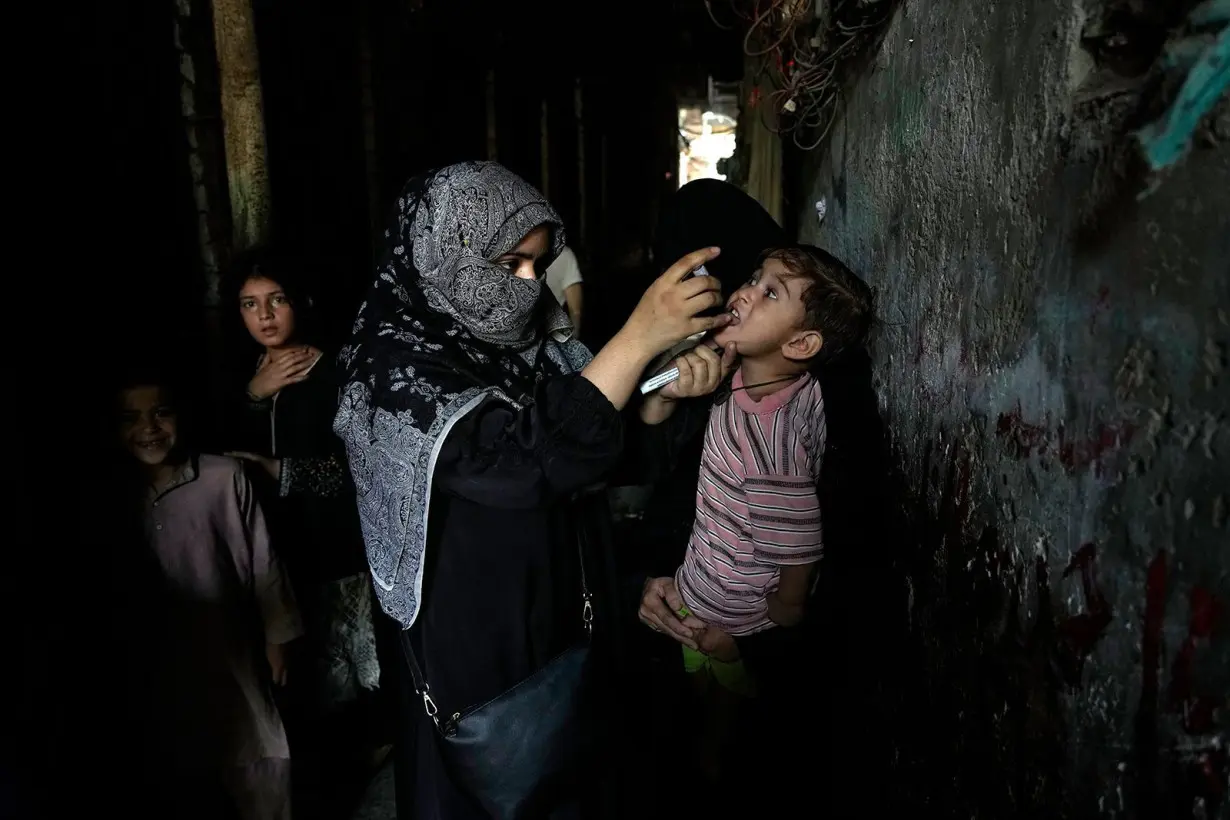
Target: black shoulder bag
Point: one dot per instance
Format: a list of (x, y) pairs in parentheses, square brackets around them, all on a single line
[(516, 751)]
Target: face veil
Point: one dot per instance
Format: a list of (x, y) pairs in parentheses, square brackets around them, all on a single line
[(443, 329)]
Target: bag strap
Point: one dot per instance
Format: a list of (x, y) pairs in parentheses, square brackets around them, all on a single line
[(421, 687), (420, 683)]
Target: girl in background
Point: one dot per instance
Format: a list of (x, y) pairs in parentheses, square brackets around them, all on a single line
[(225, 614), (285, 426)]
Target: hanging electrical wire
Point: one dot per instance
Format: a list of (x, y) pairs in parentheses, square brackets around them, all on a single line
[(800, 47)]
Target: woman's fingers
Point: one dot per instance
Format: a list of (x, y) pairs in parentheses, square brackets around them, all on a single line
[(707, 368), (695, 288), (704, 301), (687, 376), (702, 324), (681, 269)]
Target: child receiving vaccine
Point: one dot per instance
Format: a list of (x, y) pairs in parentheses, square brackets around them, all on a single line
[(757, 534), (226, 614)]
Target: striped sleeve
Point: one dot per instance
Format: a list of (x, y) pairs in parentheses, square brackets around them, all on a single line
[(784, 519)]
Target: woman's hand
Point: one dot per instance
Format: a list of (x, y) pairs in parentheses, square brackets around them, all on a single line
[(700, 372), (274, 374), (667, 311), (666, 315), (272, 466)]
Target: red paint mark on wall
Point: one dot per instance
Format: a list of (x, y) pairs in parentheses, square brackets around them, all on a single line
[(1081, 633), (1197, 710), (1024, 440), (1204, 757), (1081, 453)]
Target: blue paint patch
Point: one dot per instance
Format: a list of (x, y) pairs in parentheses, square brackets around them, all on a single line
[(1166, 139)]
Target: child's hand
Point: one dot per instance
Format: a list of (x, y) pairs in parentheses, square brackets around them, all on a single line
[(700, 372), (276, 655), (272, 466), (660, 601), (718, 645), (274, 375)]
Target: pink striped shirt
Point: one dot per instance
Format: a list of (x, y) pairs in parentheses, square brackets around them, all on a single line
[(756, 504)]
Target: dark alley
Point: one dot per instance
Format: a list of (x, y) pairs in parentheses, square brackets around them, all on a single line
[(927, 516)]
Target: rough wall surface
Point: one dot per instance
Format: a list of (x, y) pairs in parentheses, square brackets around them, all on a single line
[(1052, 373)]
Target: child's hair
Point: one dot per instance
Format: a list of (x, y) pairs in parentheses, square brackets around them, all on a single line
[(837, 303), (153, 374), (137, 373), (266, 262), (146, 374)]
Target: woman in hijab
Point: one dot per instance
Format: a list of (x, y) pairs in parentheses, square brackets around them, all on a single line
[(474, 426)]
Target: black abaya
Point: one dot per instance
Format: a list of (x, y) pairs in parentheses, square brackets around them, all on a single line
[(502, 590)]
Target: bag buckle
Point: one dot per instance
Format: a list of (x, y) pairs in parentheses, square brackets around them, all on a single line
[(587, 616), (429, 706)]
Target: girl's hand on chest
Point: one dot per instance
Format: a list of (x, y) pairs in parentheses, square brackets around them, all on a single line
[(281, 370)]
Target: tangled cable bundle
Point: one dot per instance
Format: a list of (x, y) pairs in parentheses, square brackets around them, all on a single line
[(800, 46)]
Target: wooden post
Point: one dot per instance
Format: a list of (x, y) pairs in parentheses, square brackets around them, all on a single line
[(199, 108), (205, 160), (577, 99), (243, 121)]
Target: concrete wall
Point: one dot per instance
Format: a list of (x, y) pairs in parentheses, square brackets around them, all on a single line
[(1051, 371)]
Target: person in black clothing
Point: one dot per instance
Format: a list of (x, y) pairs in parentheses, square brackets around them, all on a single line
[(703, 212), (285, 424), (811, 661), (475, 428)]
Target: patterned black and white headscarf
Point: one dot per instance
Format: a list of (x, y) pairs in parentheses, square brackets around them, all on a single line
[(443, 330)]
